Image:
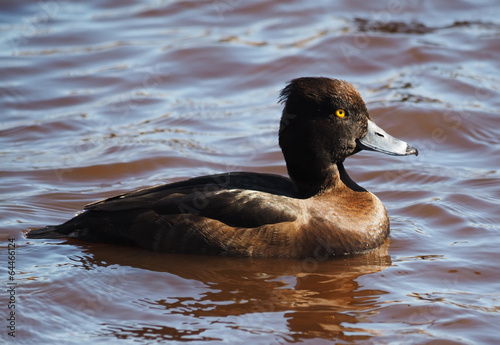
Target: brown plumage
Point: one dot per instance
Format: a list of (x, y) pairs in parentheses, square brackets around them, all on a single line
[(319, 211)]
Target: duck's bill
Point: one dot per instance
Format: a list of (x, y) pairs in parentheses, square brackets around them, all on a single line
[(376, 139)]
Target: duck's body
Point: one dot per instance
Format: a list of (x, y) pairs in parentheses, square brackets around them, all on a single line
[(319, 211)]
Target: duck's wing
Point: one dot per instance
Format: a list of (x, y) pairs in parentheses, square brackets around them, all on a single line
[(270, 183), (225, 213), (237, 199)]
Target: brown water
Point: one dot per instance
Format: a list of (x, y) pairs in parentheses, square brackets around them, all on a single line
[(100, 97)]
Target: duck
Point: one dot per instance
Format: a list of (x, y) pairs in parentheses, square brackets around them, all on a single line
[(318, 211)]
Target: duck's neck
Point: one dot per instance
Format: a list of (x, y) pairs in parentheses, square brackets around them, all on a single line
[(311, 175), (310, 182), (313, 178)]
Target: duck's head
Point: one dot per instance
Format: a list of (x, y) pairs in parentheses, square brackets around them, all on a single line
[(324, 121)]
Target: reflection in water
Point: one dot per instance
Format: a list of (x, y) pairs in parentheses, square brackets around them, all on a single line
[(315, 298)]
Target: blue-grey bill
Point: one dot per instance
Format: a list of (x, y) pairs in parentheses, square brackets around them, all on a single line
[(376, 139)]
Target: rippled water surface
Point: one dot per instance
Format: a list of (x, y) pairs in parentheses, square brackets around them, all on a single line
[(100, 97)]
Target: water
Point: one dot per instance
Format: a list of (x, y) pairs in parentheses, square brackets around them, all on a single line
[(99, 98)]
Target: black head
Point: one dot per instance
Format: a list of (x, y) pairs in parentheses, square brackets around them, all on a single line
[(329, 113), (324, 121)]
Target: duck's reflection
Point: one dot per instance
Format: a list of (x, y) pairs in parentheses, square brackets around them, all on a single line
[(316, 298)]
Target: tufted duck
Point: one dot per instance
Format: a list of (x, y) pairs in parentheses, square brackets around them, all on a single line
[(318, 211)]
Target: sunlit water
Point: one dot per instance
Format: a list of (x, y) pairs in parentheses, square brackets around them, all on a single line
[(100, 97)]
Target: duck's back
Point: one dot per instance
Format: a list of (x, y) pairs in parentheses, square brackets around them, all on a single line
[(210, 214)]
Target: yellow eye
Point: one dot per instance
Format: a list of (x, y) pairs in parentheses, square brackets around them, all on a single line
[(340, 113)]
